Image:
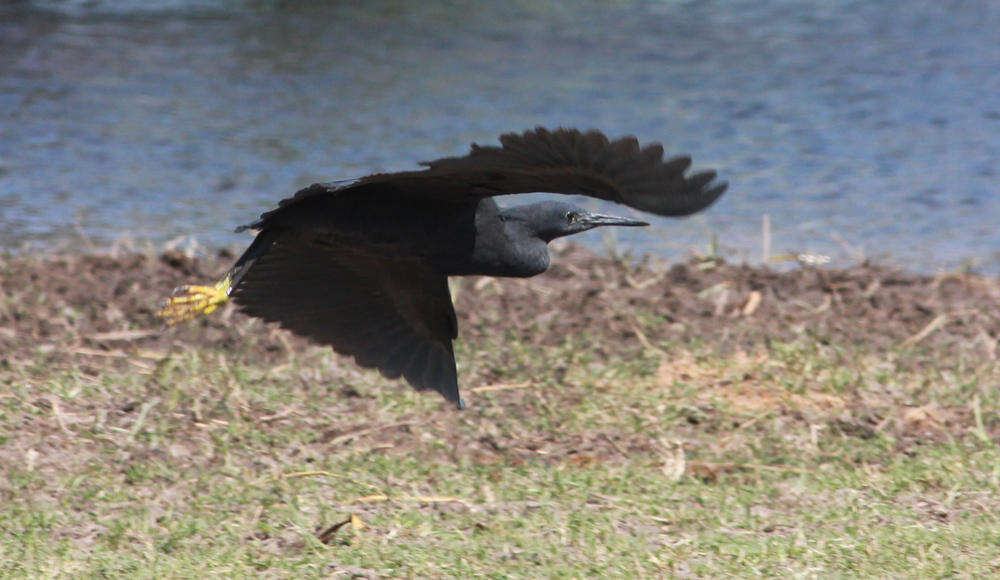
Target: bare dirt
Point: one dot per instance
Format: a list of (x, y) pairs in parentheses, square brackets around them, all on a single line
[(104, 302)]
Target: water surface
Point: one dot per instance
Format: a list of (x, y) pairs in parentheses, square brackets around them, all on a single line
[(860, 128)]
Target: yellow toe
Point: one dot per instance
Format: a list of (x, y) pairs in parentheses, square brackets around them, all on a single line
[(189, 302)]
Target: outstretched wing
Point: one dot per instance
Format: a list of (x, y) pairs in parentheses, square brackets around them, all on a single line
[(560, 161), (568, 161), (385, 309)]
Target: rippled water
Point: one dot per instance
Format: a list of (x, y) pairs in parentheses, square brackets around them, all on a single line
[(861, 128)]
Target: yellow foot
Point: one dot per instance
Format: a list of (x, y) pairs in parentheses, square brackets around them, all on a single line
[(190, 302)]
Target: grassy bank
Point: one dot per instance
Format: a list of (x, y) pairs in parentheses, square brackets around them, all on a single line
[(698, 420)]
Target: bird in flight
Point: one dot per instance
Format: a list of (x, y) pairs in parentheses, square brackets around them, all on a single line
[(363, 266)]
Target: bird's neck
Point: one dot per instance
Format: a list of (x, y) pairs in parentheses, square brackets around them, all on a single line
[(506, 247)]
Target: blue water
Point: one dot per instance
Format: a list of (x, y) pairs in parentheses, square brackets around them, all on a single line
[(861, 128)]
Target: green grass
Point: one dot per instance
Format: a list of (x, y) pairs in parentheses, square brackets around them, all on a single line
[(802, 459)]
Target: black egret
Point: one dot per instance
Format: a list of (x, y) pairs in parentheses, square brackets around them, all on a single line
[(363, 266)]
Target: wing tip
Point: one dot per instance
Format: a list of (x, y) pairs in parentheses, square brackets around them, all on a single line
[(713, 193)]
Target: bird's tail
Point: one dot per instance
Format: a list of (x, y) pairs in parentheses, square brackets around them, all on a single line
[(191, 301)]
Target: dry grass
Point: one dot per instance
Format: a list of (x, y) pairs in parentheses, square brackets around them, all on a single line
[(699, 420)]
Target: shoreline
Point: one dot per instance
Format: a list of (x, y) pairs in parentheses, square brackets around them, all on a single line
[(747, 252)]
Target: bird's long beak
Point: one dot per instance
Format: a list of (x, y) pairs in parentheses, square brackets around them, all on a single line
[(595, 219)]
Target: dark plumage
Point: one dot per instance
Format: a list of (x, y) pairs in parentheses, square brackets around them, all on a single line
[(363, 266)]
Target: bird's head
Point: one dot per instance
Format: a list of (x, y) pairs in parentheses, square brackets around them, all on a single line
[(549, 220)]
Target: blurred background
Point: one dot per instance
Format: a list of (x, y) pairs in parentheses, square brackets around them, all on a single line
[(862, 129)]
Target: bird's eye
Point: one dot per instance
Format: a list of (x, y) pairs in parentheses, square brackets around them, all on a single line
[(571, 216)]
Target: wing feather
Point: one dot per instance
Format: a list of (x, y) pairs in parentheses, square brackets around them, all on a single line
[(386, 309), (564, 161)]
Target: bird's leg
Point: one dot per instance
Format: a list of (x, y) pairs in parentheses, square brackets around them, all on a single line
[(190, 302)]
